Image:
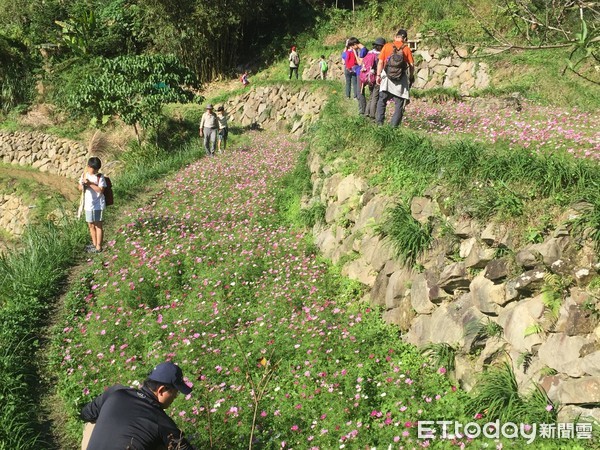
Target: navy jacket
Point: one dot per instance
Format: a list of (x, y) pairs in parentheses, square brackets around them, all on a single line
[(131, 419)]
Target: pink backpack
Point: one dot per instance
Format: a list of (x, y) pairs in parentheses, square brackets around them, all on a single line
[(368, 69)]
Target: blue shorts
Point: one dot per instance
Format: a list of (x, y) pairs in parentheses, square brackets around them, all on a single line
[(93, 216), (223, 132)]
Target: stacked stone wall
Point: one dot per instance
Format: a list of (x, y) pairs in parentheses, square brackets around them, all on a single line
[(43, 152), (463, 282)]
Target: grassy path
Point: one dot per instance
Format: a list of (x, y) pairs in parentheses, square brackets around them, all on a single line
[(278, 349)]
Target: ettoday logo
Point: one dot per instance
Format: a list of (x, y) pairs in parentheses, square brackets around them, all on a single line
[(448, 429)]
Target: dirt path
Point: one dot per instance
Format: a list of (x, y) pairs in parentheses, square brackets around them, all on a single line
[(67, 187)]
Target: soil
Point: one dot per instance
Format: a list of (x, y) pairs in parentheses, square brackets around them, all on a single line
[(55, 183)]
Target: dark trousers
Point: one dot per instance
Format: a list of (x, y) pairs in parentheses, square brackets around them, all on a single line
[(351, 81), (384, 96), (371, 108), (292, 70)]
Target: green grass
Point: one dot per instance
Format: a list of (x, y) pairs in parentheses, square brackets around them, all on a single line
[(482, 181), (30, 279)]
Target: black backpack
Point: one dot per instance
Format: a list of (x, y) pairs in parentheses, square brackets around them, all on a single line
[(109, 198), (396, 64)]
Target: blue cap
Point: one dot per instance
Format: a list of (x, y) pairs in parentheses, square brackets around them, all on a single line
[(170, 373)]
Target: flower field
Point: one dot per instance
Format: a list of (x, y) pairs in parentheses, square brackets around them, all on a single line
[(538, 128), (279, 350), (262, 328)]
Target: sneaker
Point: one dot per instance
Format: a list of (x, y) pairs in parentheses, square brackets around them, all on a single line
[(89, 247)]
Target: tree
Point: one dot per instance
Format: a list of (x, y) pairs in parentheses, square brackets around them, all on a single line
[(134, 88), (538, 24)]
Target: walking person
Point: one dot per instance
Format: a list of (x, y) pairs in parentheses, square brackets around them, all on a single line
[(223, 129), (209, 125), (395, 75), (135, 418), (294, 60), (323, 67), (353, 56), (92, 184), (367, 79)]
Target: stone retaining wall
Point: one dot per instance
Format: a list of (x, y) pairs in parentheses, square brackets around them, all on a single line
[(462, 282), (276, 107), (14, 214), (44, 152), (433, 68)]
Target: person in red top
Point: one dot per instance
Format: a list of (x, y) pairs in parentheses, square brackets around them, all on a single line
[(394, 88), (351, 61)]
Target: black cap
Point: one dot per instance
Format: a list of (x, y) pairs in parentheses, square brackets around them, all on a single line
[(379, 41), (402, 33), (170, 373)]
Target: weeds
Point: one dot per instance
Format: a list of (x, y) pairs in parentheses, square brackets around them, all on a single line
[(441, 355), (409, 237)]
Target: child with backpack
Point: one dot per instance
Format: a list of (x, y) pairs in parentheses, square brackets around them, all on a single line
[(366, 78), (395, 76), (323, 68), (92, 184)]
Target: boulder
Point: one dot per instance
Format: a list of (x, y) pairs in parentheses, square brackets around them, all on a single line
[(530, 281), (590, 364), (398, 287), (373, 211), (419, 295), (497, 269), (479, 256), (487, 296), (515, 320), (350, 186), (361, 271), (423, 209), (401, 316), (446, 324), (572, 414), (581, 391), (454, 277), (562, 353)]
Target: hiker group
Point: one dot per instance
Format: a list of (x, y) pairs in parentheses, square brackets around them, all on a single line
[(386, 72)]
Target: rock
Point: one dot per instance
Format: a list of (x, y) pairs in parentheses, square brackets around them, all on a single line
[(579, 321), (466, 246), (373, 211), (572, 414), (497, 269), (361, 271), (419, 295), (579, 391), (487, 296), (479, 256), (446, 324), (454, 277), (590, 364), (515, 320), (326, 241), (334, 212), (350, 186), (562, 353), (497, 235), (530, 281), (398, 287), (379, 288), (402, 315), (463, 228), (422, 208), (383, 252)]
